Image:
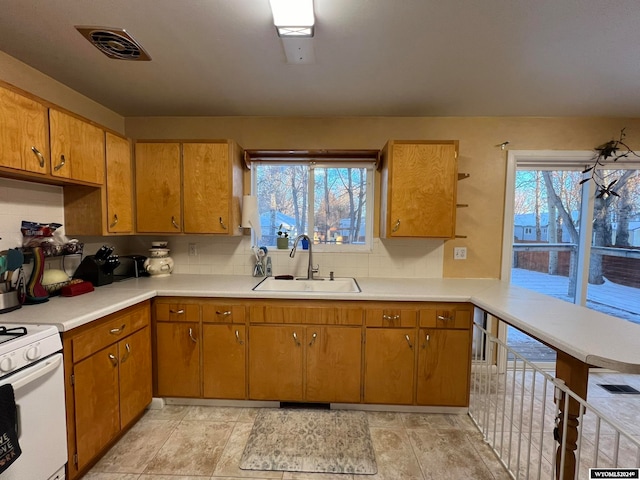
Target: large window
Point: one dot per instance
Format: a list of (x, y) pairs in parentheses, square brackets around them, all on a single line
[(332, 203), (567, 243)]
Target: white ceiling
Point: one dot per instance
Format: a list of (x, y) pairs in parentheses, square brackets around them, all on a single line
[(372, 57)]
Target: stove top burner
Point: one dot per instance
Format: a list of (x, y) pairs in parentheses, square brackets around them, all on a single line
[(7, 334)]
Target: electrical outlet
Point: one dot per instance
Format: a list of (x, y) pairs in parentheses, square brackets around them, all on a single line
[(193, 249), (459, 253)]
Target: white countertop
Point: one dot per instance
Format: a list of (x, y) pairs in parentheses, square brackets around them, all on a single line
[(592, 337)]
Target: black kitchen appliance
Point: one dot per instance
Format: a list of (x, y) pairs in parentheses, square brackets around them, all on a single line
[(131, 266), (98, 269)]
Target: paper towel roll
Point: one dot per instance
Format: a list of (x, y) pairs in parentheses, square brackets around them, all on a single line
[(250, 216)]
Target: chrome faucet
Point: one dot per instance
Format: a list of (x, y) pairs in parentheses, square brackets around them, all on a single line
[(310, 269)]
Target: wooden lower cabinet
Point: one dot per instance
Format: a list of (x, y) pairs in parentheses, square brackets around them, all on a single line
[(177, 357), (224, 361), (444, 359), (275, 362), (108, 382), (305, 363), (333, 364), (389, 365)]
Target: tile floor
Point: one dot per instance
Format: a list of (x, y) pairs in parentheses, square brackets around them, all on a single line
[(193, 442), (196, 443)]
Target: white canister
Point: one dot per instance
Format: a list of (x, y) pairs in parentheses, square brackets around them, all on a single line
[(159, 263)]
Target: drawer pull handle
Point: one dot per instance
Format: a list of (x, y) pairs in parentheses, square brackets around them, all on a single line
[(114, 360), (313, 338), (426, 341), (117, 331), (224, 227), (61, 164), (295, 339), (177, 312), (174, 223), (442, 317), (224, 314), (127, 353), (39, 155), (408, 341), (115, 221), (391, 318), (396, 227), (241, 342), (191, 336)]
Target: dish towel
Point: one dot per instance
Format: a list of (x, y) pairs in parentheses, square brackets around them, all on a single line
[(9, 448)]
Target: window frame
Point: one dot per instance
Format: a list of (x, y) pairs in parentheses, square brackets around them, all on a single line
[(370, 167)]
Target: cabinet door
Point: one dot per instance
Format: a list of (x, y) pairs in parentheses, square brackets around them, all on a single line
[(158, 181), (275, 362), (96, 402), (178, 359), (333, 366), (224, 361), (135, 374), (389, 365), (23, 133), (422, 190), (207, 184), (119, 185), (77, 149), (444, 361)]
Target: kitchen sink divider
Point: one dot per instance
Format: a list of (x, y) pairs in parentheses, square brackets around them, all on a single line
[(523, 414)]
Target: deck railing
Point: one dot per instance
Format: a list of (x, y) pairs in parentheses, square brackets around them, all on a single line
[(518, 411)]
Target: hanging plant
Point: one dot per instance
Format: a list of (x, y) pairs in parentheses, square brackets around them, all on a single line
[(606, 152)]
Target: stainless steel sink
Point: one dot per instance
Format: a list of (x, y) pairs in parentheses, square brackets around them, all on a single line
[(337, 285)]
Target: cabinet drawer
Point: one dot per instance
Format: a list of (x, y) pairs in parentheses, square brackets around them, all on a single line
[(222, 313), (177, 312), (391, 317), (445, 317), (290, 314), (110, 330)]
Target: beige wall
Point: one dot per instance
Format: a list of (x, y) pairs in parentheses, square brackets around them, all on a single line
[(26, 78), (479, 156)]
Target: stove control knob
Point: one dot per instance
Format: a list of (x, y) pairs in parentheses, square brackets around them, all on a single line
[(6, 364), (33, 353)]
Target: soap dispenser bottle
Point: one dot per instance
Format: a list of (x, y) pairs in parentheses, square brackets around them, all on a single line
[(268, 270)]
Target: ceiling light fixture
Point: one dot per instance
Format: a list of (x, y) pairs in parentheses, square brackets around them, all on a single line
[(293, 18)]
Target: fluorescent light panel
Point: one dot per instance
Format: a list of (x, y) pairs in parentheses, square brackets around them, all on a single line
[(293, 18)]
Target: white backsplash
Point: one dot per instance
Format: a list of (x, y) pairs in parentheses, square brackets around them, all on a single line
[(409, 258)]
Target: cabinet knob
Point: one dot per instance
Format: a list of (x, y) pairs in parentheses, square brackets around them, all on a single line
[(241, 342), (442, 317), (224, 227), (114, 360), (396, 226), (126, 354), (408, 341), (61, 164), (226, 313), (313, 338), (426, 341), (115, 221), (117, 331), (174, 223), (390, 318), (39, 155), (176, 312), (191, 336), (295, 339)]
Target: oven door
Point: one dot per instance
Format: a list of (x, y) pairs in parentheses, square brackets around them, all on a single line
[(42, 430)]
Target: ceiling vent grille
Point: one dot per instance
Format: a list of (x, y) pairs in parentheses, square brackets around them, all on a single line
[(115, 43)]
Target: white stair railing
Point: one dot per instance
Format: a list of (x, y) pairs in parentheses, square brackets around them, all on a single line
[(517, 411)]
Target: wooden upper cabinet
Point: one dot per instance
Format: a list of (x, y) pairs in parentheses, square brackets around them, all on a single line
[(212, 191), (158, 178), (419, 180), (24, 142), (77, 149), (119, 185)]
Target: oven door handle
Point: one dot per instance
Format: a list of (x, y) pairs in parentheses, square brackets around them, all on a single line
[(49, 365)]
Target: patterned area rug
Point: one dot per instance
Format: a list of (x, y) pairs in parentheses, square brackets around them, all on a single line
[(325, 441)]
